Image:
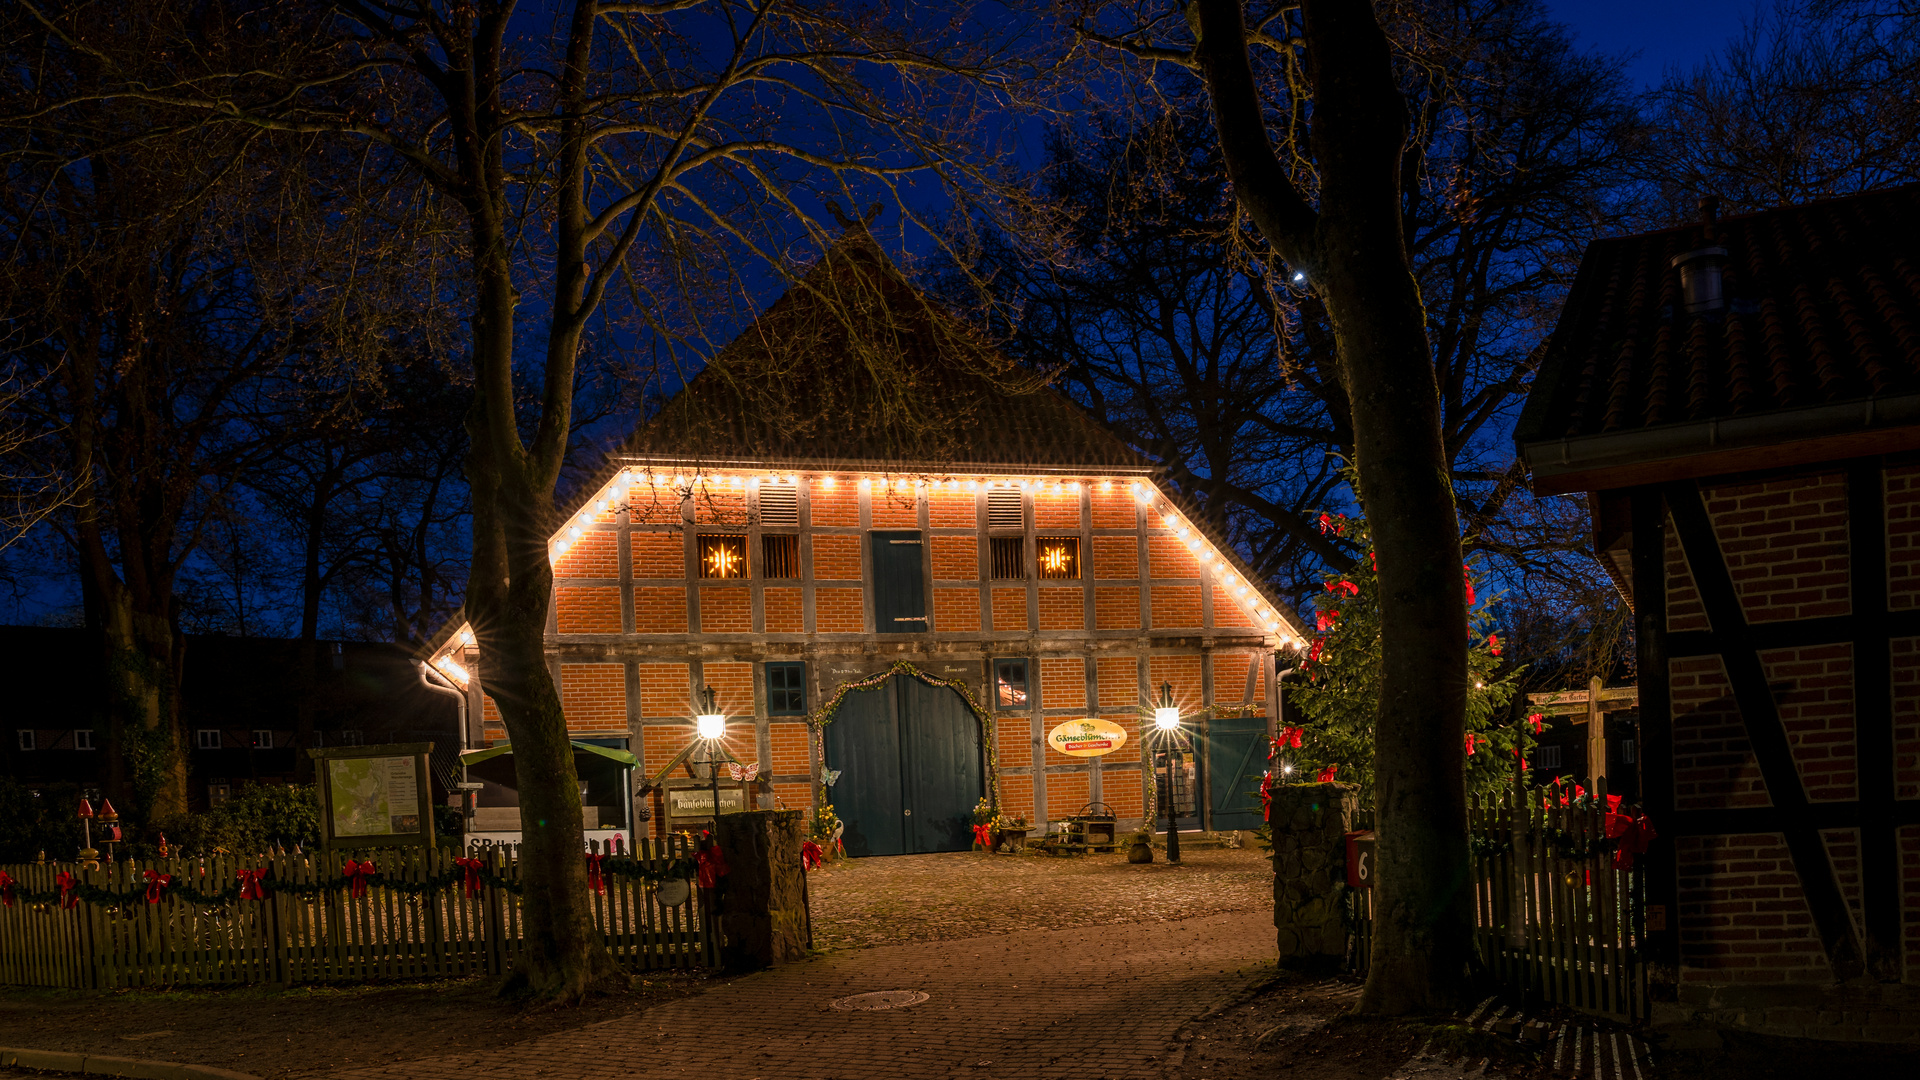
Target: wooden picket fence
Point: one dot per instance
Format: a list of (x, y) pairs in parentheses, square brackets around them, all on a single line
[(1557, 921), (390, 933)]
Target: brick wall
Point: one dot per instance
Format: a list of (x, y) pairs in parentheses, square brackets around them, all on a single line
[(716, 505), (594, 697), (1743, 917), (836, 505), (1116, 607), (658, 555), (1909, 841), (659, 742), (792, 755), (896, 509), (953, 510), (956, 610), (1814, 692), (1903, 537), (595, 555), (1713, 764), (1227, 610), (1230, 678), (1056, 507), (1785, 543), (1129, 750), (956, 558), (1010, 609), (726, 609), (794, 797), (732, 691), (1122, 789), (1119, 678), (1063, 608), (784, 612), (1016, 797), (1843, 851), (836, 558), (1169, 558), (1184, 673), (659, 610), (1116, 557), (1684, 611), (1013, 739), (1063, 683), (1114, 507), (588, 609), (651, 505), (838, 611), (665, 690), (1176, 605), (1067, 792)]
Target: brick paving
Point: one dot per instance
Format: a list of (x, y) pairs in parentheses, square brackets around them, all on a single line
[(1101, 1002)]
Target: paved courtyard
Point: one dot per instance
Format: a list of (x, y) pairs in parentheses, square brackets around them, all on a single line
[(1099, 1002)]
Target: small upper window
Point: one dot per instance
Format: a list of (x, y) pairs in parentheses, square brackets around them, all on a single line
[(779, 505), (349, 737), (723, 556), (262, 739), (1010, 684), (779, 556), (83, 739), (1008, 555), (26, 739), (1549, 757), (1004, 511), (786, 689), (1059, 557), (206, 739)]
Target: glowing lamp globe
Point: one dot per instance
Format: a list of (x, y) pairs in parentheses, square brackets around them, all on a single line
[(712, 725), (1166, 719)]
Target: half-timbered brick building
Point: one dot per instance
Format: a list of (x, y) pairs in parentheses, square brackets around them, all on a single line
[(1741, 401), (903, 605)]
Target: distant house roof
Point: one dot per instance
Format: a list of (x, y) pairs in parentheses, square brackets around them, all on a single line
[(855, 367), (1816, 344)]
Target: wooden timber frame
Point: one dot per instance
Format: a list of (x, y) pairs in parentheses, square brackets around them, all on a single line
[(1870, 950)]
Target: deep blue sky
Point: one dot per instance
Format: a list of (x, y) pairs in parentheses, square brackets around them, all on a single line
[(1665, 33)]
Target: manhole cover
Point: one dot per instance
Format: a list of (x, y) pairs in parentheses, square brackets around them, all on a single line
[(880, 999)]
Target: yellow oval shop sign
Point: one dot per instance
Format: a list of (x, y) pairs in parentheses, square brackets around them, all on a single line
[(1090, 737)]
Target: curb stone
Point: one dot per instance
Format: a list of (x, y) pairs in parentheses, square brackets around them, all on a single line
[(101, 1065)]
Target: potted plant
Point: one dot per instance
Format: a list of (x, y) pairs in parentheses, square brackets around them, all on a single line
[(825, 830)]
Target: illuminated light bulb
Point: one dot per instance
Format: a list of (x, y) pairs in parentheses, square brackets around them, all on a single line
[(466, 637), (793, 481), (1265, 614), (952, 484), (1024, 486), (712, 726), (866, 484), (659, 481), (827, 482), (1073, 485), (736, 481), (1106, 486), (573, 534), (1286, 770), (754, 483), (972, 485), (447, 666), (679, 481), (1478, 685), (1193, 545), (916, 483), (1166, 719)]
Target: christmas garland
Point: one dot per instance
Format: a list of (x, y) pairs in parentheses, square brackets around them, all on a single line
[(825, 714), (355, 878)]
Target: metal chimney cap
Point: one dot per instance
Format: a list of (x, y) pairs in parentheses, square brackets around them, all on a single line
[(1697, 253)]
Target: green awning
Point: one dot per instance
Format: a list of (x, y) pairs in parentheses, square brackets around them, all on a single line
[(475, 757)]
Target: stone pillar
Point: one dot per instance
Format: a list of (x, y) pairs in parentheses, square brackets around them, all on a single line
[(1310, 871), (763, 906)]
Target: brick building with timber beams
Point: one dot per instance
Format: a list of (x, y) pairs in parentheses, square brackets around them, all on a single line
[(904, 603), (1740, 400)]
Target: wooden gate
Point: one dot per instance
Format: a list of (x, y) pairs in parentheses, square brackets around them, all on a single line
[(910, 764), (1559, 912)]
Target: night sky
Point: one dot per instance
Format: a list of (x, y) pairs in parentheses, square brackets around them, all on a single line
[(1664, 33)]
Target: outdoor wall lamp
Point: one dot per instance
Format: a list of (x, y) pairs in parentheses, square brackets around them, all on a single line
[(1167, 719), (711, 721)]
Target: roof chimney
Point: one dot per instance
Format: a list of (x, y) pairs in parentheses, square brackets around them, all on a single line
[(1701, 281)]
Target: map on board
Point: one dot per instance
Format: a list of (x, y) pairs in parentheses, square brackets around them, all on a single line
[(374, 796)]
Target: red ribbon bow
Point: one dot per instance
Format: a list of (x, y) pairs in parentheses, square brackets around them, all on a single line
[(6, 888), (69, 889), (357, 874), (810, 855), (1266, 794), (1466, 574), (157, 883), (1632, 834), (593, 872), (471, 882), (1313, 655), (252, 884), (983, 835), (1327, 774), (1470, 742), (711, 866), (1537, 720), (1493, 644)]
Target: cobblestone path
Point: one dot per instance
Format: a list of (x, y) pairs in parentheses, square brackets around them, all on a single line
[(1096, 1002)]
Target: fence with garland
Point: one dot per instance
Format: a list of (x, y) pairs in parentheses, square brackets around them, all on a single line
[(396, 913), (1559, 899)]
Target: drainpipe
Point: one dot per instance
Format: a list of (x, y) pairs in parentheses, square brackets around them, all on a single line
[(445, 686)]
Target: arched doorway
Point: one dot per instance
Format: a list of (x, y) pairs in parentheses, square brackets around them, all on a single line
[(910, 763)]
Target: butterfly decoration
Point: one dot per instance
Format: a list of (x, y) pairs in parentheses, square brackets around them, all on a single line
[(830, 776), (743, 773)]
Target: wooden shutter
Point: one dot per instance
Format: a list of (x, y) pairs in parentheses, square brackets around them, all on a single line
[(899, 583)]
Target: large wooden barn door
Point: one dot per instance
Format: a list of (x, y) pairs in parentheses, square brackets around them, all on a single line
[(910, 769), (1236, 758)]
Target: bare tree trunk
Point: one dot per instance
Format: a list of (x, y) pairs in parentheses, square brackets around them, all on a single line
[(1352, 250)]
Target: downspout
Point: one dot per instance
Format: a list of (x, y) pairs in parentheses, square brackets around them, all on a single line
[(445, 686)]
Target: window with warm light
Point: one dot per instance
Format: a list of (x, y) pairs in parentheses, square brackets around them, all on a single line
[(1058, 556), (723, 556), (1010, 684)]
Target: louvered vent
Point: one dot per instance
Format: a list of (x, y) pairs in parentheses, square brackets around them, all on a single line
[(1003, 510), (779, 504)]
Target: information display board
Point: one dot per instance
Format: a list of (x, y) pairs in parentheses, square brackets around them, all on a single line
[(374, 796)]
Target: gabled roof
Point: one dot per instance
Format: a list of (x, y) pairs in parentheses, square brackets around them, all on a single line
[(908, 386), (1822, 311)]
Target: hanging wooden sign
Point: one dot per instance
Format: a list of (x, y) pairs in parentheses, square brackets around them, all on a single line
[(1090, 737)]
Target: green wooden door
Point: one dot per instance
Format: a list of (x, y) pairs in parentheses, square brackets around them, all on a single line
[(899, 583), (911, 768), (1236, 759)]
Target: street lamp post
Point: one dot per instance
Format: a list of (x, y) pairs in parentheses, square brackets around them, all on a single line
[(712, 724), (1167, 719)]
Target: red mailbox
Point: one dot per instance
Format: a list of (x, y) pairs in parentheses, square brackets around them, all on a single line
[(1360, 859)]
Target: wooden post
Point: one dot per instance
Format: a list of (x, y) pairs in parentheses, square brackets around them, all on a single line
[(1596, 735)]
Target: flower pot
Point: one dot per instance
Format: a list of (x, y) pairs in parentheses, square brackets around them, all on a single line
[(1140, 852)]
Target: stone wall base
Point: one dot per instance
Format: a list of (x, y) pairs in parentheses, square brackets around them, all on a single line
[(1886, 1012)]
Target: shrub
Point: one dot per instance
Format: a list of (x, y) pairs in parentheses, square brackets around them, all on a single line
[(31, 823), (257, 817)]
